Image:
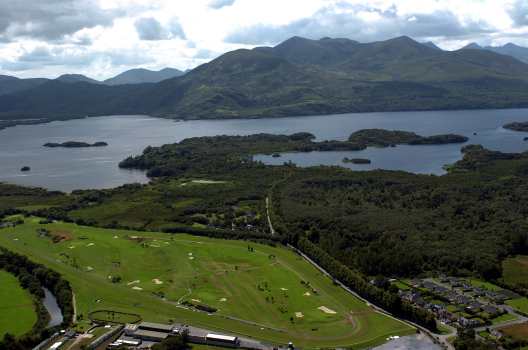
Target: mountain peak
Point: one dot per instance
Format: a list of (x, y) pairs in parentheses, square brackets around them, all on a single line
[(143, 75), (472, 46), (76, 78), (512, 46), (432, 45)]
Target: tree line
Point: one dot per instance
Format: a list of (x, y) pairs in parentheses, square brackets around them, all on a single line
[(34, 277)]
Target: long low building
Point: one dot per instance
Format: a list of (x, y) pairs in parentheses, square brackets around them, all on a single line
[(222, 340), (156, 327), (150, 335)]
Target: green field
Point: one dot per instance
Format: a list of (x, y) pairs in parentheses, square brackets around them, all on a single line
[(261, 286), (16, 305), (520, 304), (515, 270), (503, 318), (484, 285)]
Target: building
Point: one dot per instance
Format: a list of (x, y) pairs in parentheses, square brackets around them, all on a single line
[(153, 336), (130, 329), (124, 341), (155, 327), (222, 340)]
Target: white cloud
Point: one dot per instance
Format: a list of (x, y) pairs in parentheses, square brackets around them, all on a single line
[(149, 28), (102, 37), (218, 4)]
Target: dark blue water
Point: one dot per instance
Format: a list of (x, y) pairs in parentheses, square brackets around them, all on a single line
[(69, 169)]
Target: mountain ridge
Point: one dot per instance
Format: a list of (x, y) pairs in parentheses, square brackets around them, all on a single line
[(299, 77)]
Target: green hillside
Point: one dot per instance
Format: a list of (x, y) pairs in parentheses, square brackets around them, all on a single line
[(297, 77)]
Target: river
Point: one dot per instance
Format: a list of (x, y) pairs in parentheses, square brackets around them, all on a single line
[(66, 169), (50, 303)]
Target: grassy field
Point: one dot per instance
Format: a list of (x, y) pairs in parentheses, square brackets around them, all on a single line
[(484, 285), (504, 318), (515, 270), (273, 294), (520, 304), (16, 305)]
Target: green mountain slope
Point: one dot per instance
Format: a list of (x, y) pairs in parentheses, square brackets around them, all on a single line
[(140, 75), (10, 84), (299, 77)]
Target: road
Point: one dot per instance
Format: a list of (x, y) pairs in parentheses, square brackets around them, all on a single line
[(272, 230)]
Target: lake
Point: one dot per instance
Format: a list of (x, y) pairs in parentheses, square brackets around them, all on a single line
[(67, 169)]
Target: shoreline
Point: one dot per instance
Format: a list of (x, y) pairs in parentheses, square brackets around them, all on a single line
[(46, 120)]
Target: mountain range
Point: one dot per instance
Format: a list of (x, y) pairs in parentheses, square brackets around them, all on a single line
[(10, 84), (519, 52), (297, 77)]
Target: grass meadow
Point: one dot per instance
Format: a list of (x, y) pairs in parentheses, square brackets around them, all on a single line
[(260, 291), (17, 309)]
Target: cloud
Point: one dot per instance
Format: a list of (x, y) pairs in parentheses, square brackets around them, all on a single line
[(151, 29), (73, 58), (51, 19), (218, 4), (519, 13), (362, 23)]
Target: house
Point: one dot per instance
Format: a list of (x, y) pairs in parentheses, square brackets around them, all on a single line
[(462, 299), (491, 310), (451, 296), (474, 307), (469, 322), (454, 282)]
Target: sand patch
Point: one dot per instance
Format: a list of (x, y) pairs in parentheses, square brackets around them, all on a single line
[(299, 315), (137, 288), (203, 182), (223, 300), (307, 294), (157, 281), (327, 310), (133, 282)]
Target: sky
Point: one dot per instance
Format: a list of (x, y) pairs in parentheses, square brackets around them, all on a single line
[(101, 38)]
